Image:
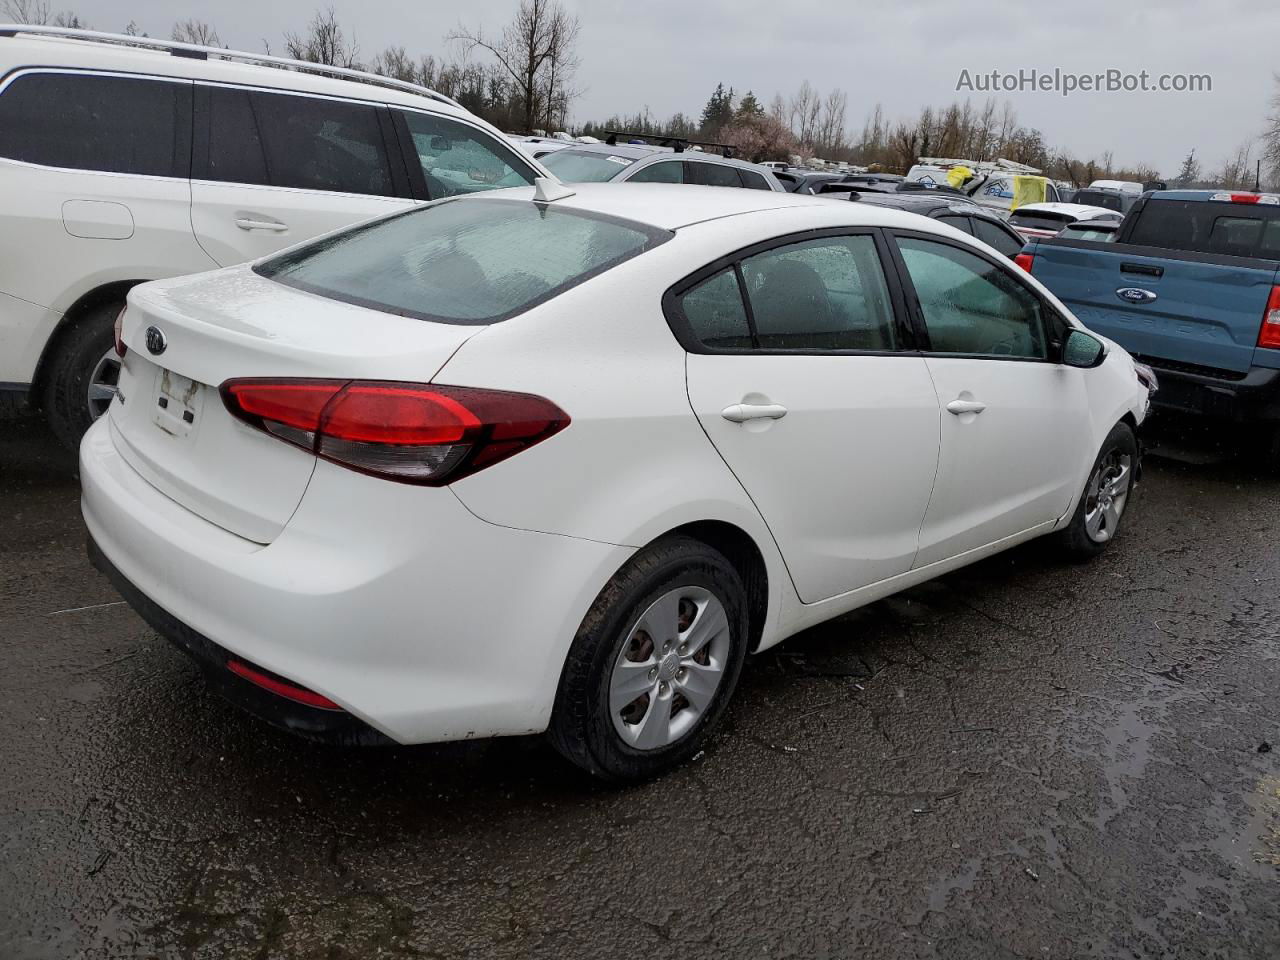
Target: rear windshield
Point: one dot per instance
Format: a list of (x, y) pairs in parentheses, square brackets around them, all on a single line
[(571, 166), (1087, 233), (1209, 226), (469, 261), (1040, 220), (1098, 198)]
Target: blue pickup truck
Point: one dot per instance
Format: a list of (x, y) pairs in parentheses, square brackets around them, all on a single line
[(1189, 287)]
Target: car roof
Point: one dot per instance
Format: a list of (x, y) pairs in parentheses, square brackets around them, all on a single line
[(641, 151), (35, 51), (670, 206)]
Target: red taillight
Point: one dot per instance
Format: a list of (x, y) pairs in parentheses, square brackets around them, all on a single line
[(1025, 260), (411, 432), (1269, 332), (118, 332), (281, 688)]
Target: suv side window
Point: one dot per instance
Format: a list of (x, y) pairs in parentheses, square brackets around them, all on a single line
[(456, 158), (970, 306), (84, 121), (714, 174), (753, 181), (961, 223), (665, 171), (235, 148), (825, 294), (993, 235), (317, 144)]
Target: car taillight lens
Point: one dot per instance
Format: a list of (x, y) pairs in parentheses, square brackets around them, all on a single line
[(1025, 260), (121, 349), (1269, 332), (412, 432)]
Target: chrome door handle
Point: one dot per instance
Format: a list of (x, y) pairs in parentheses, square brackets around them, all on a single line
[(244, 223), (965, 406), (742, 412)]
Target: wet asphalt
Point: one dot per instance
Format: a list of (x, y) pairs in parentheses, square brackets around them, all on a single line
[(1024, 759)]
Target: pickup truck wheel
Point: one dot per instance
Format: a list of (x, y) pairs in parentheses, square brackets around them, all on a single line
[(1106, 496), (80, 382)]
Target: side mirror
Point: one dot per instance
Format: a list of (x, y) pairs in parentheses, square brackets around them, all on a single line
[(1082, 350)]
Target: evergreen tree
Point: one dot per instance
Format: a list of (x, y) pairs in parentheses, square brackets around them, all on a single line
[(1190, 172), (718, 111), (750, 106)]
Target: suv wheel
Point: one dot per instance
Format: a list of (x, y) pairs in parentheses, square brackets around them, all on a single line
[(81, 380)]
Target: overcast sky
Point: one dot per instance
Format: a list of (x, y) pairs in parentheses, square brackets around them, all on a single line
[(669, 55)]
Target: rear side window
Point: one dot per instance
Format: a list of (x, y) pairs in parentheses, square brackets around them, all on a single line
[(714, 174), (92, 122), (456, 158), (960, 223), (470, 261), (235, 149), (998, 237), (715, 313), (667, 171), (316, 144), (753, 181), (827, 294)]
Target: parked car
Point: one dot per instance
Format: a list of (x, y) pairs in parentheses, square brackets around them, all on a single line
[(879, 182), (122, 163), (1108, 198), (805, 181), (1037, 220), (967, 217), (1190, 286), (546, 460), (643, 163), (538, 147), (1102, 231)]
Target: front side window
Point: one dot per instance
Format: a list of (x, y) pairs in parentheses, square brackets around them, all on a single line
[(318, 144), (826, 294), (91, 122), (667, 171), (970, 306), (458, 159), (586, 166), (470, 261)]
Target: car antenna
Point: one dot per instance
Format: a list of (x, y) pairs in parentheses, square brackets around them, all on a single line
[(546, 190)]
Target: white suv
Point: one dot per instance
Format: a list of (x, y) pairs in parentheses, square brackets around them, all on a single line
[(125, 159)]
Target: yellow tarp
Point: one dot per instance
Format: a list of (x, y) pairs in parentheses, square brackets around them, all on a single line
[(1028, 190), (957, 176)]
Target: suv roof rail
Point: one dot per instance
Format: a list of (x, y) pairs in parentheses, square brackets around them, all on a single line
[(676, 143), (196, 52)]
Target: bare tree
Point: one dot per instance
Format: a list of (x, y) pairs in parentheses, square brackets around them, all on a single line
[(806, 106), (560, 66), (830, 133), (197, 32), (525, 46), (324, 42), (34, 12), (1239, 170), (395, 62)]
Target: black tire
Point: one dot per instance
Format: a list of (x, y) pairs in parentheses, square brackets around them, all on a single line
[(1075, 538), (582, 728), (79, 349)]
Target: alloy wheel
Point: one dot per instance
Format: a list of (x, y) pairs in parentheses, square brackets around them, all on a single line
[(1106, 496), (103, 384)]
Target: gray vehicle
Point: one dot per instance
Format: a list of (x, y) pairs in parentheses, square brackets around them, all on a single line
[(644, 163)]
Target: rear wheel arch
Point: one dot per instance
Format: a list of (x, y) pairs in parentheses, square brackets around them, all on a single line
[(740, 549), (113, 292)]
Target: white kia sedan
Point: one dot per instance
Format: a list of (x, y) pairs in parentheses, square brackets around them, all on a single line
[(552, 461)]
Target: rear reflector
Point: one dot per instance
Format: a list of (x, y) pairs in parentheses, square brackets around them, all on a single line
[(1269, 332), (281, 688), (410, 432), (1025, 260)]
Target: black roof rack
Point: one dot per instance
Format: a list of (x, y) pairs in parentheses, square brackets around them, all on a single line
[(678, 144)]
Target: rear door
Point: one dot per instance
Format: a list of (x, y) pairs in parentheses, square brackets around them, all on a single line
[(803, 376), (271, 169), (1189, 285), (1015, 423)]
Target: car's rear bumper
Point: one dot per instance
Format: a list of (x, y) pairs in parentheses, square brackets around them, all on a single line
[(393, 601), (1255, 396)]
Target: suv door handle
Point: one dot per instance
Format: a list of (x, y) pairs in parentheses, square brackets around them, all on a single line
[(965, 406), (742, 412), (246, 223)]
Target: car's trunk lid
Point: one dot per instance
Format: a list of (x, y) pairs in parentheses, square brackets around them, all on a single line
[(170, 422)]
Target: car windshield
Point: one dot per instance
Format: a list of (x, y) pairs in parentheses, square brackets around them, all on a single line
[(472, 261), (585, 166)]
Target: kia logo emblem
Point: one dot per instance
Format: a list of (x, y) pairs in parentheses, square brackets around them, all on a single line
[(1136, 295), (156, 340)]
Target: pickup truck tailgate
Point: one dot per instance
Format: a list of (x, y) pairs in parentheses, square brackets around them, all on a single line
[(1161, 304)]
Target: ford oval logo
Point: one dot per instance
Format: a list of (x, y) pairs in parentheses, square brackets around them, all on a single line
[(1136, 295), (156, 340)]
